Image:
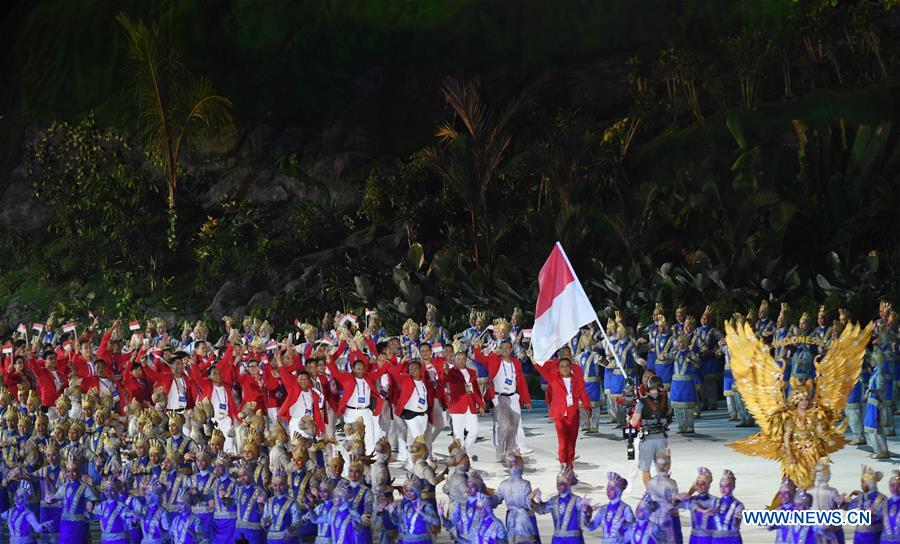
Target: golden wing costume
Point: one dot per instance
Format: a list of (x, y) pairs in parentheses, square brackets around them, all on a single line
[(799, 430)]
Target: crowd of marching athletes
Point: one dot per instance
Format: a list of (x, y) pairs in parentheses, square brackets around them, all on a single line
[(167, 438)]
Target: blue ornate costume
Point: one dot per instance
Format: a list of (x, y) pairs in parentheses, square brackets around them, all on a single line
[(566, 511), (614, 520), (281, 518), (113, 516), (249, 514), (73, 524)]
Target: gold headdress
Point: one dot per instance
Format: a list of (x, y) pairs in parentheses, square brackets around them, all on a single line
[(501, 328), (176, 419), (800, 390), (707, 311), (157, 447), (764, 307), (690, 322), (729, 476), (200, 330), (217, 437), (822, 313), (704, 474), (804, 317), (895, 477), (870, 475), (309, 332), (411, 328), (658, 310), (783, 314), (518, 315)]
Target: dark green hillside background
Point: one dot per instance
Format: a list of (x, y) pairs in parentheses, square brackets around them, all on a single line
[(701, 152)]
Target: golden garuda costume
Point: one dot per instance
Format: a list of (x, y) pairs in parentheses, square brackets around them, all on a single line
[(798, 429)]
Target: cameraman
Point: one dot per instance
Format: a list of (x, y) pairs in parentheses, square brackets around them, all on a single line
[(651, 415)]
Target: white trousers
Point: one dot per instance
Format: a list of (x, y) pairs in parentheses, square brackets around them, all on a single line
[(415, 428), (352, 414), (465, 429)]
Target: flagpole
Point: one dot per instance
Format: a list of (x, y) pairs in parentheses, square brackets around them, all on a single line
[(610, 347), (602, 330)]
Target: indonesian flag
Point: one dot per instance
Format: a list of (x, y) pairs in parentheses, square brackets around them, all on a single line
[(562, 306), (272, 344), (7, 349), (69, 327), (134, 326), (297, 323), (22, 328), (349, 317), (38, 327), (437, 348)]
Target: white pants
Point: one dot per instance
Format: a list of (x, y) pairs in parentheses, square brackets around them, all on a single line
[(415, 428), (352, 414), (224, 424), (465, 428)]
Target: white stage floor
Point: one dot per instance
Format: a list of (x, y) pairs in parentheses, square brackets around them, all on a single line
[(757, 479)]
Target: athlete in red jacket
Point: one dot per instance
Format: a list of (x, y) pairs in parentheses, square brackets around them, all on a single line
[(567, 390), (465, 401)]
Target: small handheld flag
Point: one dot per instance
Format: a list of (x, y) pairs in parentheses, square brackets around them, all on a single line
[(69, 327), (134, 326)]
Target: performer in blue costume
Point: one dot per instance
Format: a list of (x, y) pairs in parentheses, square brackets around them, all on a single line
[(414, 516), (727, 513), (615, 518), (224, 508), (21, 523), (184, 526), (250, 500), (706, 345), (345, 523), (592, 370), (662, 346), (566, 508), (786, 503), (153, 520), (890, 513), (700, 505), (281, 516), (113, 515), (868, 498), (201, 483), (75, 493), (683, 393)]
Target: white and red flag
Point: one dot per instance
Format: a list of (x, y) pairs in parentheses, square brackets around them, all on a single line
[(134, 326), (69, 327), (562, 306)]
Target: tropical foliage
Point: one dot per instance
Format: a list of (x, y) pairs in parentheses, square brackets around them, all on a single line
[(758, 159)]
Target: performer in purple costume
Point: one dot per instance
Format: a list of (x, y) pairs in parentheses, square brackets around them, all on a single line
[(566, 508), (21, 522), (113, 515), (868, 498), (615, 517), (251, 499), (281, 516), (75, 494)]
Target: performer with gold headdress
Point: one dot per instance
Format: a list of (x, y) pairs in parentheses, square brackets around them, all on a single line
[(799, 432)]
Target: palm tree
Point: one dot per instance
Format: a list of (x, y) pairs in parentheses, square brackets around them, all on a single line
[(171, 104), (470, 157)]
